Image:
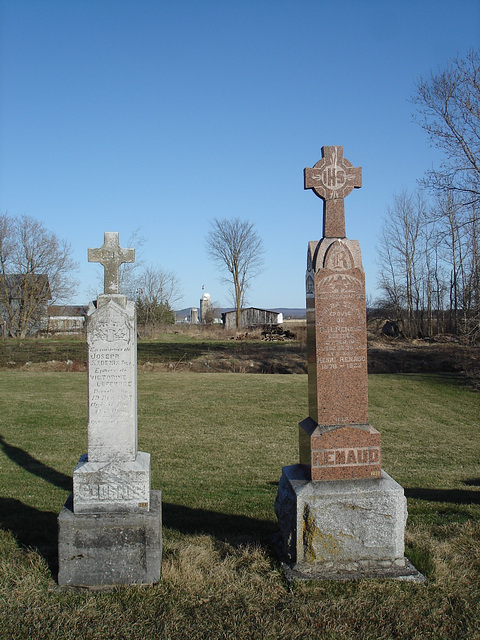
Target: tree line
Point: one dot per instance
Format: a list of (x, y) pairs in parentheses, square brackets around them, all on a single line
[(429, 253), (36, 270)]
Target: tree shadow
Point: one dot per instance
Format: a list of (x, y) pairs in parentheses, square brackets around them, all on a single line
[(472, 482), (32, 528), (232, 528), (32, 465), (455, 496)]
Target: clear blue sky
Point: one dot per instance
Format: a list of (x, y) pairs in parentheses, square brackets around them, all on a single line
[(163, 114)]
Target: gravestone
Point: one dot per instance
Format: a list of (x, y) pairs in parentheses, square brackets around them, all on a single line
[(340, 514), (336, 440), (110, 528)]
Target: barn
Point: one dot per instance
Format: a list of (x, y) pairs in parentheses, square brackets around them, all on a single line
[(251, 317)]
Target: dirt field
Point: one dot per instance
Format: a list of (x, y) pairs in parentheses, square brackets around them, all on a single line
[(204, 351)]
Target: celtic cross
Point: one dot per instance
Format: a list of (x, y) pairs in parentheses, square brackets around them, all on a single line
[(332, 178), (111, 255)]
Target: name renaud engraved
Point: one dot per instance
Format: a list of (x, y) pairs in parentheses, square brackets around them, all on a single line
[(346, 457)]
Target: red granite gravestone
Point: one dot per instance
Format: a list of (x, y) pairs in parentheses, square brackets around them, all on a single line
[(336, 441), (340, 515)]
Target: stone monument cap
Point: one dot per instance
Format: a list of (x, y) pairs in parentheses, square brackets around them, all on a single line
[(333, 178), (111, 255)]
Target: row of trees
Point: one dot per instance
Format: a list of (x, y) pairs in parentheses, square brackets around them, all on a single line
[(429, 253), (429, 265), (37, 270)]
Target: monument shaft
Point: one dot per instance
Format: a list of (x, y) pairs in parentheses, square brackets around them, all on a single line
[(336, 442), (337, 334), (112, 381)]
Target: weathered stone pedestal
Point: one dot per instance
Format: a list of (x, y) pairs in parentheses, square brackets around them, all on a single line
[(342, 529), (106, 549), (110, 530)]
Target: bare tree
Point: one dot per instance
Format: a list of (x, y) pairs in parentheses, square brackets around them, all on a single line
[(156, 292), (131, 272), (458, 230), (236, 246), (430, 259), (401, 262), (448, 105), (448, 109), (35, 268), (210, 314)]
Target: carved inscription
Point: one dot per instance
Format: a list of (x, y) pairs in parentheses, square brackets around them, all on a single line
[(108, 491), (111, 384), (348, 457), (111, 388), (340, 340), (340, 328)]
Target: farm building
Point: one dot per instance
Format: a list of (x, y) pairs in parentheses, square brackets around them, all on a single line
[(66, 318), (251, 317)]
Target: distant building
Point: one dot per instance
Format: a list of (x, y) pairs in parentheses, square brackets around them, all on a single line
[(205, 306), (66, 318), (194, 315), (251, 317)]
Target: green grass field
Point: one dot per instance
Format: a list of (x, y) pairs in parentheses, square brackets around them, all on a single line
[(218, 442)]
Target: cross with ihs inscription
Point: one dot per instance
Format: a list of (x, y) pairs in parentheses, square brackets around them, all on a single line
[(111, 255), (332, 179)]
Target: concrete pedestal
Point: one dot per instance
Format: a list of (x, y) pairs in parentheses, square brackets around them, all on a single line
[(342, 529), (110, 548)]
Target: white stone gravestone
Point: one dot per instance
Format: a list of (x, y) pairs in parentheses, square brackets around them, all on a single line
[(110, 530)]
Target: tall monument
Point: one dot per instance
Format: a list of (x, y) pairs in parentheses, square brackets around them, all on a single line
[(110, 528), (336, 441), (339, 513)]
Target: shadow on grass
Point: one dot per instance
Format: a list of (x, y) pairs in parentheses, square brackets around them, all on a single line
[(34, 466), (472, 482), (455, 496), (32, 528), (235, 529)]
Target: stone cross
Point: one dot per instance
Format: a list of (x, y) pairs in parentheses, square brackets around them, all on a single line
[(111, 255), (333, 178)]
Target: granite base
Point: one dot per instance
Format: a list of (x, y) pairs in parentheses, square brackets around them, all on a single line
[(106, 549), (345, 528)]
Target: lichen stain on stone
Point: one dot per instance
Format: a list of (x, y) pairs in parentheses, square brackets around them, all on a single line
[(317, 546)]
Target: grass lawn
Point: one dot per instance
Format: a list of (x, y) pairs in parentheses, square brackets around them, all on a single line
[(218, 442)]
